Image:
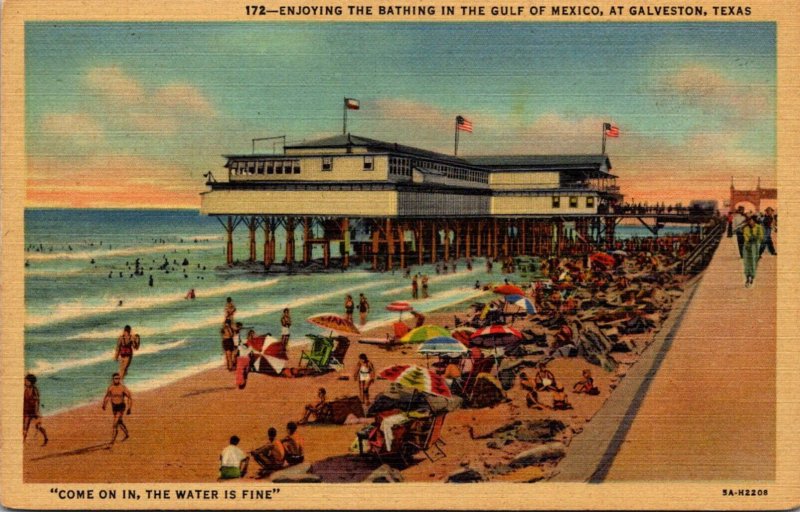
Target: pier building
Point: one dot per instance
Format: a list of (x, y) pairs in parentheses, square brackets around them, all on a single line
[(400, 205)]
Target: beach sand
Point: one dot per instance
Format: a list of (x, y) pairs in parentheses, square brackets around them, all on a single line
[(177, 431)]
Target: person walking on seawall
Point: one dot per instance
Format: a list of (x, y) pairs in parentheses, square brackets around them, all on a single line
[(30, 409), (753, 236), (770, 224), (363, 308), (116, 394), (739, 221), (286, 324), (126, 344)]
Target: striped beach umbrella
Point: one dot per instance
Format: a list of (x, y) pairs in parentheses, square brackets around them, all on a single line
[(415, 377), (269, 354), (334, 323), (495, 335), (522, 302), (424, 333), (399, 305), (442, 345)]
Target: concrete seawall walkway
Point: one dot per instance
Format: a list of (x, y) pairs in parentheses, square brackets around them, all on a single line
[(700, 404)]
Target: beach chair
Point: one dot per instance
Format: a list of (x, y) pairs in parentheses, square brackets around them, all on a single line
[(319, 357), (480, 366), (426, 436), (340, 351)]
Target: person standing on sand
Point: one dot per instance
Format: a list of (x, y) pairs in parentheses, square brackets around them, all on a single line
[(365, 376), (424, 286), (414, 287), (349, 307), (286, 324), (228, 347), (230, 309), (363, 308), (116, 394), (30, 409), (753, 235), (126, 344)]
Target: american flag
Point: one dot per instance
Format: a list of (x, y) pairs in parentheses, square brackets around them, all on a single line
[(352, 104), (463, 124), (611, 130)]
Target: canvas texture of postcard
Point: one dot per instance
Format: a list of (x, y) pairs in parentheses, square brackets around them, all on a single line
[(494, 255)]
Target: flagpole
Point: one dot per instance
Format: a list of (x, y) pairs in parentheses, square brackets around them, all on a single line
[(344, 116), (603, 150), (455, 151)]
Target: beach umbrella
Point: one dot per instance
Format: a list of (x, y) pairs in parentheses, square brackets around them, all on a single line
[(462, 334), (509, 289), (619, 252), (417, 378), (400, 306), (424, 333), (522, 302), (269, 354), (495, 335), (442, 345), (604, 259), (334, 323)]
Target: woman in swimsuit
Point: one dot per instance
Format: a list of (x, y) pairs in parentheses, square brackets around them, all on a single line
[(364, 375), (349, 306), (126, 344)]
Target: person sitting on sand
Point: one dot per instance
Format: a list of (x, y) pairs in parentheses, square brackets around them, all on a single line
[(30, 409), (232, 461), (293, 444), (544, 379), (560, 400), (315, 409), (272, 455), (531, 397), (586, 385), (116, 394)]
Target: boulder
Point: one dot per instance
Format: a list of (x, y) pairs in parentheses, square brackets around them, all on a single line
[(300, 474), (539, 454), (542, 430), (384, 474), (465, 475)]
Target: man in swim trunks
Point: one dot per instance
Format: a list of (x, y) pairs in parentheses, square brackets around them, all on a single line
[(30, 409), (126, 344), (116, 394), (228, 346)]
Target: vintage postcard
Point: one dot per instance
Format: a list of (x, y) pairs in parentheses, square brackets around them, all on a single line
[(495, 255)]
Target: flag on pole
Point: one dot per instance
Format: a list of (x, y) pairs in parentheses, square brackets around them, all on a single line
[(611, 130), (463, 124), (352, 104)]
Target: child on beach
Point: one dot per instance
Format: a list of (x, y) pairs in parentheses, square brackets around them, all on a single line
[(30, 409), (586, 384)]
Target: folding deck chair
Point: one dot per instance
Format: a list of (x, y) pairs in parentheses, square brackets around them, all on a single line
[(320, 356)]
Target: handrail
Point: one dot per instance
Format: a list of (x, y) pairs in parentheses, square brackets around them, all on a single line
[(708, 244)]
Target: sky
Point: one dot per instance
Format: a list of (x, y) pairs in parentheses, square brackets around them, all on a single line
[(133, 115)]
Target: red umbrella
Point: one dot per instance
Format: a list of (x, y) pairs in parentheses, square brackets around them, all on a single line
[(509, 289), (270, 354), (603, 259), (495, 335), (399, 305)]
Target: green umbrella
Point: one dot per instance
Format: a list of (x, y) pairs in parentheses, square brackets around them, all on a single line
[(424, 333)]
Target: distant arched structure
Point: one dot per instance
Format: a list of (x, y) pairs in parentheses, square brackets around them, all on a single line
[(752, 196)]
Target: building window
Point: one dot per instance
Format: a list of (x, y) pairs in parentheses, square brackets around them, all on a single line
[(327, 163), (556, 202), (260, 167), (573, 202), (368, 162), (590, 202), (296, 167), (270, 167)]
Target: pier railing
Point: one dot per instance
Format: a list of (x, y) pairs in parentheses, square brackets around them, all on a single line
[(701, 255)]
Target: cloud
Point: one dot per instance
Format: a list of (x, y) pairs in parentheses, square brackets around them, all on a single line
[(76, 128), (713, 92)]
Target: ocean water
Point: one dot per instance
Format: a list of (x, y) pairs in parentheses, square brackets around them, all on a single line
[(81, 289)]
